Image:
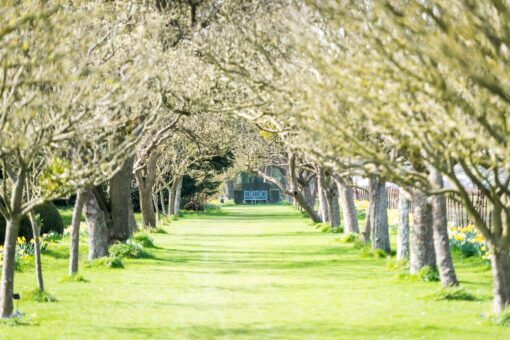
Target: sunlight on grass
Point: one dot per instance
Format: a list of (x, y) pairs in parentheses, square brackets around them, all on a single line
[(254, 272)]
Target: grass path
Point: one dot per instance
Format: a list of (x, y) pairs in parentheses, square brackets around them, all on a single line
[(256, 272)]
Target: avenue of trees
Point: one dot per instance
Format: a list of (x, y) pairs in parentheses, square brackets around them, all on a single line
[(96, 96)]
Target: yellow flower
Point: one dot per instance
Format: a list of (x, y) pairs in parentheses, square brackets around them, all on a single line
[(483, 248)]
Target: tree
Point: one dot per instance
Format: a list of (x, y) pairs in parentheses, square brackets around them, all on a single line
[(65, 101)]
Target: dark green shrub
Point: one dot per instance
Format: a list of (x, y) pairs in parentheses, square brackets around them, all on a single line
[(49, 217)]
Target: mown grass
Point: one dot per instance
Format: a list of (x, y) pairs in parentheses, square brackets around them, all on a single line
[(253, 272)]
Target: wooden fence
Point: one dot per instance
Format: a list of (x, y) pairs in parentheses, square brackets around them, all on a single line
[(456, 213)]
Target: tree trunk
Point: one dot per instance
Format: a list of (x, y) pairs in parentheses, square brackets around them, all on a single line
[(323, 204), (148, 213), (163, 205), (500, 261), (173, 197), (171, 200), (7, 284), (348, 208), (308, 194), (156, 206), (440, 234), (9, 253), (145, 184), (75, 234), (422, 243), (230, 189), (334, 207), (98, 227), (178, 196), (403, 226), (120, 196), (379, 216), (37, 251), (367, 232), (300, 200), (132, 220)]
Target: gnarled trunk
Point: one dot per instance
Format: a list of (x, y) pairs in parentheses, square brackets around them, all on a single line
[(75, 234), (120, 198), (98, 226), (403, 226), (8, 264), (379, 215), (348, 208), (440, 233), (422, 243)]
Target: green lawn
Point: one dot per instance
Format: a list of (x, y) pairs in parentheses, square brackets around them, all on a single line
[(256, 272)]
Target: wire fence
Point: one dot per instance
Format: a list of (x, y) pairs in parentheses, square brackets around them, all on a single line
[(456, 213)]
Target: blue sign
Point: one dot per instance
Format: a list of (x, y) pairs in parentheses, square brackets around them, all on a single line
[(255, 195)]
